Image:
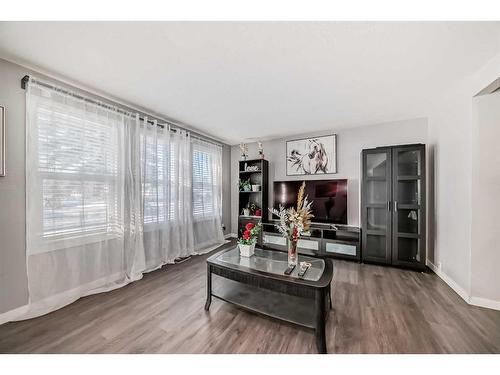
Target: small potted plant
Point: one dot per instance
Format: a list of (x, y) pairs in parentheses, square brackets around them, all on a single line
[(248, 239), (245, 185)]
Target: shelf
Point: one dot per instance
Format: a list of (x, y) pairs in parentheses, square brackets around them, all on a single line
[(251, 191), (277, 305), (259, 171), (251, 160), (408, 177), (249, 217), (414, 236)]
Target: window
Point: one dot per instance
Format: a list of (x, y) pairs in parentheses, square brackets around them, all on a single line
[(154, 183), (204, 186), (78, 167)]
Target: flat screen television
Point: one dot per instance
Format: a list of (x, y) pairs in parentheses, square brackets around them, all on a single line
[(329, 198)]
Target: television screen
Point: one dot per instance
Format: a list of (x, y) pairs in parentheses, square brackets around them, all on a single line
[(329, 198)]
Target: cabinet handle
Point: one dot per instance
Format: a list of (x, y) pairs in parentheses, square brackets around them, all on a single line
[(395, 206), (388, 205)]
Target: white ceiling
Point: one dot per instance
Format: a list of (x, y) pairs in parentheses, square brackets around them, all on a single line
[(252, 80)]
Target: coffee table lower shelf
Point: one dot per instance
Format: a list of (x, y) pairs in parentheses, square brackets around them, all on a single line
[(292, 309)]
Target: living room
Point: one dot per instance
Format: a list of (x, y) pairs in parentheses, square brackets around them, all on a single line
[(249, 187)]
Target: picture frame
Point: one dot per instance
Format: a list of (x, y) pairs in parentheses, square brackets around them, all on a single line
[(2, 141), (311, 156)]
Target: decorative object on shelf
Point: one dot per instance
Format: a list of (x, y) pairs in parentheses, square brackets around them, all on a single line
[(248, 239), (2, 141), (252, 209), (244, 151), (255, 187), (294, 222), (245, 185), (316, 155), (261, 150), (252, 168)]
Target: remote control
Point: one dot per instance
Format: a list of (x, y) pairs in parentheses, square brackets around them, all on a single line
[(303, 271), (289, 270)]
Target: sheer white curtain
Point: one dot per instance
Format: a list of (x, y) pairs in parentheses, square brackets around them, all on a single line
[(207, 194), (182, 195), (109, 196)]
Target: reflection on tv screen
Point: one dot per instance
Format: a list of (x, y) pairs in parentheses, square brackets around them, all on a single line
[(329, 198)]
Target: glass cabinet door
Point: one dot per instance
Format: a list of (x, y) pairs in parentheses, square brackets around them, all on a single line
[(376, 206), (408, 220)]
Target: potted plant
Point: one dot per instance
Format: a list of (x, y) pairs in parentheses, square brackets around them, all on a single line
[(248, 239), (293, 222), (245, 185)]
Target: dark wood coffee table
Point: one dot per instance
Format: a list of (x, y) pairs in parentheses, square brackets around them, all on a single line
[(258, 284)]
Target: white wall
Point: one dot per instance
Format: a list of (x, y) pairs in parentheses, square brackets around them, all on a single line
[(450, 141), (350, 142), (485, 262), (13, 281), (453, 252)]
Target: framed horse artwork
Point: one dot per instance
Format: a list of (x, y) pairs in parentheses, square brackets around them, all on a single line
[(316, 155)]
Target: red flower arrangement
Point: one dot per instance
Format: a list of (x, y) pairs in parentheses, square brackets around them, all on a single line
[(249, 236)]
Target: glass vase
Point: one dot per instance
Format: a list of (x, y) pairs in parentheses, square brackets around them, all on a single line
[(292, 252)]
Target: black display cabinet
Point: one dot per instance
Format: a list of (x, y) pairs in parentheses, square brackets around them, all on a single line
[(393, 205)]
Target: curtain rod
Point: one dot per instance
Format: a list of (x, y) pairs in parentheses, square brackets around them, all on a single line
[(121, 108)]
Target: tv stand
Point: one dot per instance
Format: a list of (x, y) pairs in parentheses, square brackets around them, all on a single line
[(330, 240)]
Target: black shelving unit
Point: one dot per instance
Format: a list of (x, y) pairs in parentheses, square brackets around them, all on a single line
[(258, 176), (323, 240)]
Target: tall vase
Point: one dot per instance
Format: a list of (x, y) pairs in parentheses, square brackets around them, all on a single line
[(292, 252)]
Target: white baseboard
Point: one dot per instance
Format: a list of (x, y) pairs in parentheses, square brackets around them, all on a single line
[(13, 314), (485, 302), (471, 300), (448, 280), (230, 235)]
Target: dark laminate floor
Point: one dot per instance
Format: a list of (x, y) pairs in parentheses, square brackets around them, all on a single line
[(376, 310)]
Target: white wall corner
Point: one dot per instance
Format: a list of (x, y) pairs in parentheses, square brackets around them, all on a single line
[(449, 281), (471, 300)]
